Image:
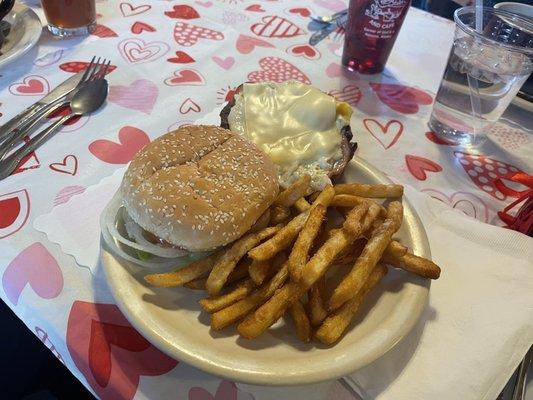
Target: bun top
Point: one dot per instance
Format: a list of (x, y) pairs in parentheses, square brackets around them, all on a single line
[(199, 187)]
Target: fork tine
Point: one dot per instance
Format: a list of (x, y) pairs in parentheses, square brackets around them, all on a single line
[(95, 68), (103, 70), (86, 73)]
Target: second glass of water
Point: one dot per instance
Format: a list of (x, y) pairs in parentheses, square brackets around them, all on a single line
[(486, 68)]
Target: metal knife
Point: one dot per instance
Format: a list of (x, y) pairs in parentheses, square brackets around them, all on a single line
[(58, 93)]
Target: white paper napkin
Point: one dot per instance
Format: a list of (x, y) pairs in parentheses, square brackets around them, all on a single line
[(474, 332), (75, 225)]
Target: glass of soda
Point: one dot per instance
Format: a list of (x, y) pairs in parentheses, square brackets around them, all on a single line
[(486, 67), (70, 17), (371, 31)]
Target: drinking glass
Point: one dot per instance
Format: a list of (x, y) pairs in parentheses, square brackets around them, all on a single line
[(70, 17), (485, 70)]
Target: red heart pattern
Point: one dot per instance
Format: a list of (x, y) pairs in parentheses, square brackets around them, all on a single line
[(109, 352), (468, 203), (189, 106), (128, 10), (187, 35), (103, 31), (509, 138), (255, 8), (66, 193), (140, 95), (246, 44), (131, 141), (181, 58), (277, 70), (226, 391), (301, 11), (273, 26), (43, 337), (304, 50), (489, 174), (418, 166), (14, 212), (78, 66), (387, 135), (185, 77), (432, 137), (403, 99), (350, 94), (31, 85), (68, 166), (183, 11), (28, 162), (140, 27), (137, 51), (36, 267)]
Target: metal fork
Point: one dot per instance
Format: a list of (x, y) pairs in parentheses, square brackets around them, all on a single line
[(341, 27), (95, 70)]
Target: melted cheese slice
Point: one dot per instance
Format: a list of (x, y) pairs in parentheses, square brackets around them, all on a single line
[(297, 125)]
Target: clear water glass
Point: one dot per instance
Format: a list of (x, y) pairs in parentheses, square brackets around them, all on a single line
[(485, 70)]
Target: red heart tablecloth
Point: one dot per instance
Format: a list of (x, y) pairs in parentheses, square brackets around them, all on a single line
[(172, 64)]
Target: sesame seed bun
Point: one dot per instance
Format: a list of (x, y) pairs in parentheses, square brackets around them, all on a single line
[(199, 187)]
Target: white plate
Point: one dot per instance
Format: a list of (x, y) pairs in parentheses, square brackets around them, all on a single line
[(25, 31), (172, 321)]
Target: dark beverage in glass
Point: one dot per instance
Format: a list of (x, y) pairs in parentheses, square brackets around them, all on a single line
[(371, 31), (70, 17)]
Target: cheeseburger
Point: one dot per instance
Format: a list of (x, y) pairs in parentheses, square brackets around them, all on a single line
[(194, 190), (302, 129)]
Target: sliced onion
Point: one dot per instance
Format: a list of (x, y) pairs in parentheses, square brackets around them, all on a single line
[(116, 241), (136, 232), (114, 218)]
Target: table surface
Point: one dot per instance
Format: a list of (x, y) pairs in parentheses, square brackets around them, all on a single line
[(164, 77)]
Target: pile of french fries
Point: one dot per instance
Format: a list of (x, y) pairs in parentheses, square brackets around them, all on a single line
[(280, 266)]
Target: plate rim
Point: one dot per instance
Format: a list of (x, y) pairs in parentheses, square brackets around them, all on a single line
[(403, 325), (26, 13)]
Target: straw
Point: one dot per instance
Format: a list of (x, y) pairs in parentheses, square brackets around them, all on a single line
[(479, 15), (472, 82)]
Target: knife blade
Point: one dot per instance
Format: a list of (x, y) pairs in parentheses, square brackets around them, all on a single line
[(318, 36), (56, 94)]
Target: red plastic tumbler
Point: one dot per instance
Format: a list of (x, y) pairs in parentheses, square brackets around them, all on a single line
[(372, 28)]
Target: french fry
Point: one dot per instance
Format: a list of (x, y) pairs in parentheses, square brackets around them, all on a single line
[(279, 214), (317, 310), (300, 250), (288, 233), (197, 284), (238, 310), (262, 222), (348, 200), (415, 264), (241, 271), (229, 259), (364, 265), (259, 270), (314, 196), (375, 191), (185, 274), (297, 190), (338, 242), (302, 205), (258, 322), (351, 254), (272, 310), (334, 326), (303, 326), (395, 249), (241, 290)]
